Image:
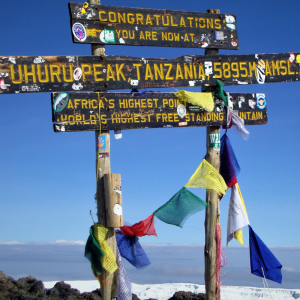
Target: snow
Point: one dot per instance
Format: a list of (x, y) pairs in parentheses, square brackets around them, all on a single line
[(167, 290)]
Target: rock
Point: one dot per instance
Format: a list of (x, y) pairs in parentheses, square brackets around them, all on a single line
[(187, 296)]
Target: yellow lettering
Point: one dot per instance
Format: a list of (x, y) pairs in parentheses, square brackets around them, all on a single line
[(163, 20), (32, 73), (100, 16), (158, 71), (202, 23), (182, 22), (109, 73), (226, 69), (148, 72), (142, 37), (235, 68), (130, 18), (172, 22), (186, 37), (217, 24), (164, 36), (84, 72), (148, 20), (243, 69), (190, 19), (139, 18), (284, 71), (70, 104), (121, 17), (217, 68), (46, 73), (178, 72), (275, 66), (112, 16), (12, 72), (157, 17), (138, 70), (111, 103), (168, 72), (289, 70), (148, 35), (64, 73), (52, 73), (188, 71), (252, 67), (95, 66), (119, 71), (268, 71)]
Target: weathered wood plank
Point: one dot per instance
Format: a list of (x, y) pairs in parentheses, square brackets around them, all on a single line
[(117, 25), (86, 73), (119, 111)]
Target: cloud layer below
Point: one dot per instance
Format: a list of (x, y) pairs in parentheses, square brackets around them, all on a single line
[(171, 263)]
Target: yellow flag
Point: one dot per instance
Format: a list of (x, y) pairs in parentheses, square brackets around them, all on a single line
[(204, 100), (238, 235), (109, 261), (207, 177)]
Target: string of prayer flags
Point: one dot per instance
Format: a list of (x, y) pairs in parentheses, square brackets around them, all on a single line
[(207, 177), (229, 166), (131, 249), (221, 93), (109, 261), (180, 207), (239, 125), (238, 235), (124, 284), (94, 253), (263, 262), (237, 217), (142, 228), (204, 100)]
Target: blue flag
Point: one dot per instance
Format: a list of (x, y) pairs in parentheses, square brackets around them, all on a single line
[(263, 262)]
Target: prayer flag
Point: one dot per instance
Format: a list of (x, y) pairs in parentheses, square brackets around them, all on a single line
[(109, 262), (124, 284), (94, 253), (229, 166), (180, 207), (207, 177), (263, 262), (142, 228), (237, 217), (204, 100), (131, 249)]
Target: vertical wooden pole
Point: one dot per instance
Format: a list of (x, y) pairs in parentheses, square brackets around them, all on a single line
[(108, 290), (213, 209)]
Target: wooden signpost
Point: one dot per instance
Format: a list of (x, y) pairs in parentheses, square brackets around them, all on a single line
[(102, 111), (118, 111), (116, 25), (23, 74)]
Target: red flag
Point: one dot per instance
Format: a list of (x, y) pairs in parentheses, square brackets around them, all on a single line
[(142, 228)]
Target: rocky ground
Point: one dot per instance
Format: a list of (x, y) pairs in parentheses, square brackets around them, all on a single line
[(30, 288)]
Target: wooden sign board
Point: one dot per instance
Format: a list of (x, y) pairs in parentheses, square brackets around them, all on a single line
[(118, 111), (116, 25), (21, 74)]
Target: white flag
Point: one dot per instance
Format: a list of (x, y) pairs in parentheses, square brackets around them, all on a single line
[(237, 217)]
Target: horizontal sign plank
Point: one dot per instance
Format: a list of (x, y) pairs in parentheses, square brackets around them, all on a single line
[(23, 74), (80, 111), (117, 25)]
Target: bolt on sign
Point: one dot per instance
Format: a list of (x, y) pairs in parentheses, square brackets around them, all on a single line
[(116, 25), (118, 111), (21, 74)]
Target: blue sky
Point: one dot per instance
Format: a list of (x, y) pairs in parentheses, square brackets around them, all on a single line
[(47, 179)]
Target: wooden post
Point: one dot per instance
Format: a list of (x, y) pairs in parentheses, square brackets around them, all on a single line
[(213, 209), (110, 289)]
